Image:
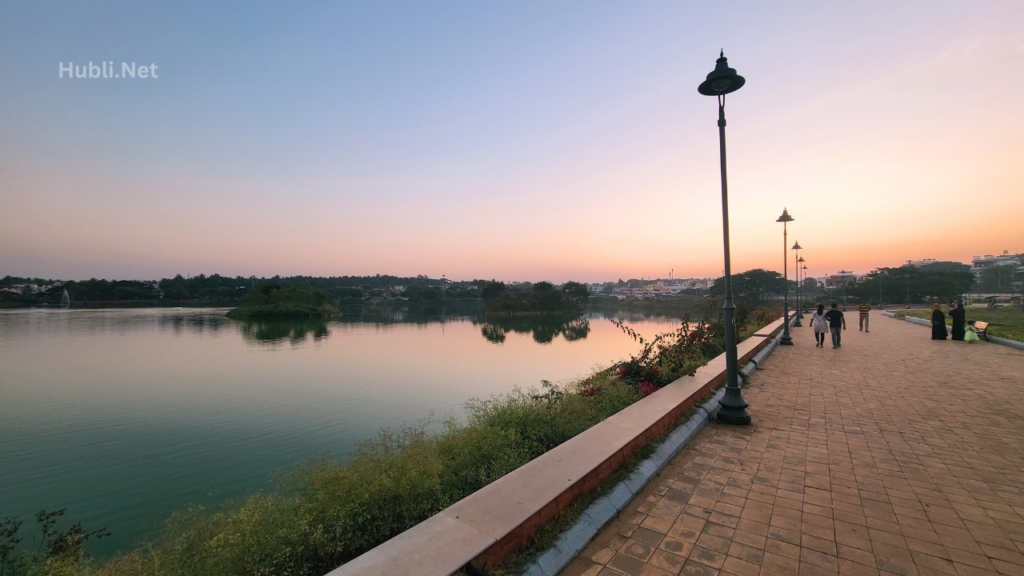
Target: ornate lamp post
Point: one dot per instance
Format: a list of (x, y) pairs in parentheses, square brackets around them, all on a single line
[(801, 296), (786, 339), (732, 407), (796, 268), (805, 281)]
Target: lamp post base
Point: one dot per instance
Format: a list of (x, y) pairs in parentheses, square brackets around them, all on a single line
[(732, 408), (797, 323)]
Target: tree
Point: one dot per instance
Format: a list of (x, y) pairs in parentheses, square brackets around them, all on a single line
[(576, 292), (997, 278), (492, 290), (754, 285)]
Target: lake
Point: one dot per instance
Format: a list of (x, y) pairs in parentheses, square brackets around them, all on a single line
[(122, 416)]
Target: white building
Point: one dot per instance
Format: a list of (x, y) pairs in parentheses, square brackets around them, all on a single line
[(841, 279), (979, 263)]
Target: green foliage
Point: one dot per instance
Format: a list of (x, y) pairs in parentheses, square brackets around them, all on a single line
[(906, 284), (997, 279), (492, 290), (58, 552), (670, 355), (576, 292), (274, 301), (541, 298), (754, 285), (331, 512)]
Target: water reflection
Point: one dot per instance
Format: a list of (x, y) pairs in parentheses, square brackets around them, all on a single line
[(277, 331), (124, 415), (544, 328)]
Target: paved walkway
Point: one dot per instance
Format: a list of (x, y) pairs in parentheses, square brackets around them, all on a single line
[(894, 454)]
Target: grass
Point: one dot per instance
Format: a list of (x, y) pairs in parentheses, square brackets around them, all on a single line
[(550, 532), (1004, 322), (327, 513)]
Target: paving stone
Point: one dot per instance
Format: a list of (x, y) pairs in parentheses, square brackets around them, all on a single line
[(887, 456)]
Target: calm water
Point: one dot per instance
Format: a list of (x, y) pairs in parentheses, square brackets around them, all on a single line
[(123, 416)]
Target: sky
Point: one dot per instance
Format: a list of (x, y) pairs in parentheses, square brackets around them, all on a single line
[(510, 140)]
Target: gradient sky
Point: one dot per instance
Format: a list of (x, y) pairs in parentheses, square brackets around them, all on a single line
[(516, 140)]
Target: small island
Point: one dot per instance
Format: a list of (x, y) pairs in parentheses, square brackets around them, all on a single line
[(542, 298), (274, 301)]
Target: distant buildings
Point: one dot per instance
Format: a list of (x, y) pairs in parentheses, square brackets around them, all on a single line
[(657, 289), (841, 279), (979, 263), (920, 263)]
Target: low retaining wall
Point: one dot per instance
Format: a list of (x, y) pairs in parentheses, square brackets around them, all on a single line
[(949, 330), (497, 520)]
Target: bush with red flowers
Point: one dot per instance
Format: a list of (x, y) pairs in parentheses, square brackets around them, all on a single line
[(669, 356)]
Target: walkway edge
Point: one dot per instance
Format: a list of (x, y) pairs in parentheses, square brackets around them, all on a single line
[(607, 507), (993, 339), (500, 518)]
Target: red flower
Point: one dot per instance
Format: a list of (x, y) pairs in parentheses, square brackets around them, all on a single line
[(646, 388)]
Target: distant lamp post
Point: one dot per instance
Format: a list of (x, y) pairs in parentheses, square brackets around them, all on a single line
[(786, 339), (796, 268), (732, 407), (803, 288)]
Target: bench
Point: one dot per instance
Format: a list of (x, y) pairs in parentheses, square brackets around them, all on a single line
[(980, 328)]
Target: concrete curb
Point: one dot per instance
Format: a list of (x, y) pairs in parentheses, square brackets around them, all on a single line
[(1006, 342), (605, 508), (949, 329), (758, 359)]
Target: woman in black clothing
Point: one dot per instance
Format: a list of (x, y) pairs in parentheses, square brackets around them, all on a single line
[(959, 317), (938, 323)]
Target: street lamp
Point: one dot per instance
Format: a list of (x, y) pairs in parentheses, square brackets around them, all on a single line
[(804, 281), (801, 295), (796, 268), (732, 407), (786, 339)]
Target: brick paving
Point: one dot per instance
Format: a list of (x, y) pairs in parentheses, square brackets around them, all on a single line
[(895, 454)]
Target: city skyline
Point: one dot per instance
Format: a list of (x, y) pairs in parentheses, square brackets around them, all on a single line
[(524, 142)]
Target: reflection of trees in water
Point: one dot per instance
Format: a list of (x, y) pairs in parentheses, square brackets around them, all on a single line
[(417, 313), (544, 328), (277, 331), (632, 316), (193, 322)]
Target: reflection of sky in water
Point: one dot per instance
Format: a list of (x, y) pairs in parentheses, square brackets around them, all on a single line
[(122, 416)]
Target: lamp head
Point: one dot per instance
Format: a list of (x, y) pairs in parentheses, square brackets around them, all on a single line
[(785, 216), (801, 260), (722, 80), (797, 246)]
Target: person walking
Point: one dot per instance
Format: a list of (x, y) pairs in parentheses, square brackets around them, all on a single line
[(836, 323), (959, 317), (938, 323), (820, 326), (864, 308)]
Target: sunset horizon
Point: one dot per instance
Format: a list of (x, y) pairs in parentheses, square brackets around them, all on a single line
[(576, 148)]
